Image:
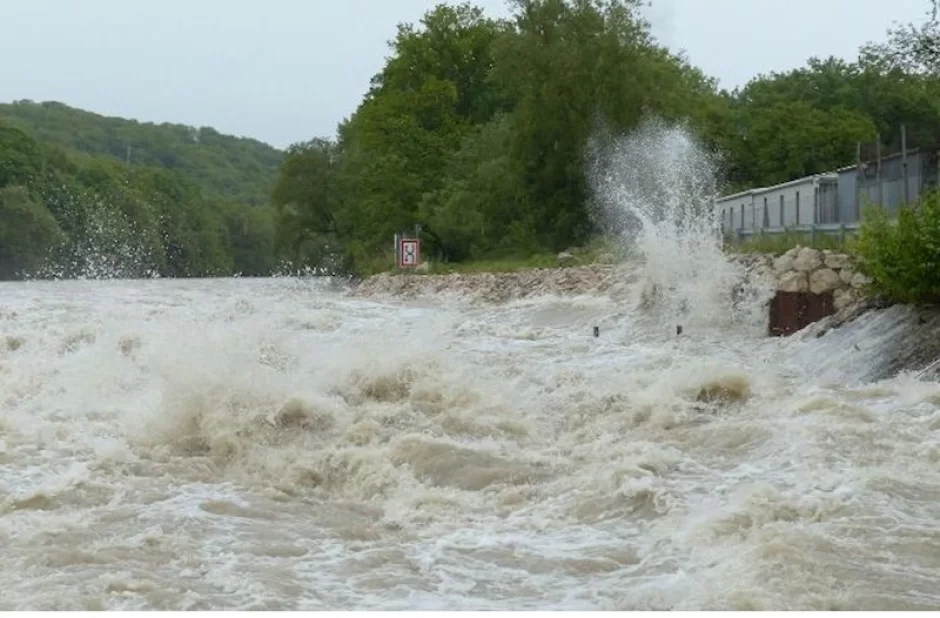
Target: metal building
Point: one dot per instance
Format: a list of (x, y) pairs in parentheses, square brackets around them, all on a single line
[(837, 198)]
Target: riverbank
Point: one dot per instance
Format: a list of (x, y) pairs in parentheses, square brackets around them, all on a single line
[(499, 287), (801, 270), (913, 347)]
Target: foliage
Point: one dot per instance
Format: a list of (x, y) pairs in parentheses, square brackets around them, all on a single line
[(910, 48), (67, 215), (902, 257), (778, 244), (27, 231), (223, 166), (475, 129)]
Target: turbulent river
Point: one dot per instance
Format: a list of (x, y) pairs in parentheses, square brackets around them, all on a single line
[(279, 444)]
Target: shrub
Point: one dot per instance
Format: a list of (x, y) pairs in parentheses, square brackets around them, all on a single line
[(902, 257)]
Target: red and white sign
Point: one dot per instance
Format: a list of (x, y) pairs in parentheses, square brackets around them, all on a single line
[(409, 253)]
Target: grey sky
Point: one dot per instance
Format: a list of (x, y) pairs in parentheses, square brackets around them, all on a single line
[(287, 70)]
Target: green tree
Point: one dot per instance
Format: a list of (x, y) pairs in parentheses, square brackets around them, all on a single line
[(28, 231), (221, 165), (20, 156), (912, 49), (312, 227), (903, 258), (814, 140)]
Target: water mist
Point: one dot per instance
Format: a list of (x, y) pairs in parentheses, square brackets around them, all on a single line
[(654, 192)]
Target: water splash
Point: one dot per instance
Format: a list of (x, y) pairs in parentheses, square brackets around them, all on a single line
[(654, 191), (103, 242)]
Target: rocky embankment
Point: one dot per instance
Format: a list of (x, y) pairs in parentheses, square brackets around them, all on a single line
[(611, 280), (803, 269), (799, 270)]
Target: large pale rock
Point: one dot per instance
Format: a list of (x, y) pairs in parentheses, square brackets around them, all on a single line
[(837, 261), (807, 260), (792, 253), (860, 281), (824, 280), (842, 298), (783, 264), (847, 274), (762, 271), (565, 257), (793, 281), (606, 258)]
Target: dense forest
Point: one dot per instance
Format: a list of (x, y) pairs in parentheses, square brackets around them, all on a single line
[(238, 169), (476, 128), (85, 195)]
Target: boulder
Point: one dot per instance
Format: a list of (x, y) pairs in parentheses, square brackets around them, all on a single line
[(606, 258), (860, 281), (842, 298), (824, 280), (847, 274), (807, 260), (837, 261), (783, 264), (565, 257), (793, 281)]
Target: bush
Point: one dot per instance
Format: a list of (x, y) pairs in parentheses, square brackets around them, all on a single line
[(902, 257)]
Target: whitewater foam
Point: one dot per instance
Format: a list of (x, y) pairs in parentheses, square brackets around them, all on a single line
[(280, 444), (654, 191), (197, 444)]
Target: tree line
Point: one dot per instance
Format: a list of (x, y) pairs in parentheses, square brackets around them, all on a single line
[(476, 128), (82, 195)]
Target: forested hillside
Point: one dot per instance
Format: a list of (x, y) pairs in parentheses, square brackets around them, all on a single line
[(224, 166), (65, 213)]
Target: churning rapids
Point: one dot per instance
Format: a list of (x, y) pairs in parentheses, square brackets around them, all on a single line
[(284, 444), (277, 444)]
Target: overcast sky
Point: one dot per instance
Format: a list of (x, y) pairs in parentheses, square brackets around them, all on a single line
[(287, 70)]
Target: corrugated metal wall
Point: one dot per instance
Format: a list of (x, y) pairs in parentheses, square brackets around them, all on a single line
[(839, 197)]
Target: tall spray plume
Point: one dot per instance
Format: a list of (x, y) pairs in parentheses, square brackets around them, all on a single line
[(654, 192)]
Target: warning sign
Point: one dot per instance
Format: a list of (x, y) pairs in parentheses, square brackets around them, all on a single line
[(409, 253)]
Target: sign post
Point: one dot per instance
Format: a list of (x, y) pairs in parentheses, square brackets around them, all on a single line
[(409, 252)]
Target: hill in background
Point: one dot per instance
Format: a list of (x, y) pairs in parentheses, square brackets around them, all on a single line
[(190, 203), (223, 166)]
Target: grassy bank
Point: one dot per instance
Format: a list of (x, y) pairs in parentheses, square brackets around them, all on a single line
[(778, 244), (596, 251)]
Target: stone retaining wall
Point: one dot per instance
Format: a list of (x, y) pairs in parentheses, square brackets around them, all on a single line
[(800, 271), (614, 281), (806, 270), (810, 284)]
